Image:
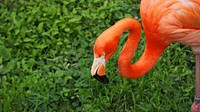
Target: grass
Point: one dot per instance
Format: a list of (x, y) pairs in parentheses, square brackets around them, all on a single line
[(46, 55)]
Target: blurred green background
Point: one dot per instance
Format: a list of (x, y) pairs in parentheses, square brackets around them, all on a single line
[(46, 52)]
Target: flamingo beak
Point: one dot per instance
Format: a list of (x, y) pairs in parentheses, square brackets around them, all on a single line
[(99, 68)]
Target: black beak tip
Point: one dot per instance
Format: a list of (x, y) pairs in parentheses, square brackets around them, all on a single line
[(102, 79)]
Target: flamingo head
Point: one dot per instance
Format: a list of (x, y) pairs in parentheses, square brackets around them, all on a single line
[(104, 47)]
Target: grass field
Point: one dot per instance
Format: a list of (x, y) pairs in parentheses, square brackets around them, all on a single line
[(46, 51)]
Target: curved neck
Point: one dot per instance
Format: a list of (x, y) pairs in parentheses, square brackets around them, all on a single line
[(152, 52), (134, 36), (116, 31)]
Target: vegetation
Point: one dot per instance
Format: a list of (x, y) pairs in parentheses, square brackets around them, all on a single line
[(46, 51)]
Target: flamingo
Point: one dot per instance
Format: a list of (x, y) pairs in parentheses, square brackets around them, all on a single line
[(164, 22)]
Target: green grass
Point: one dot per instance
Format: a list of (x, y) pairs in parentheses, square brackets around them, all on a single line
[(46, 54)]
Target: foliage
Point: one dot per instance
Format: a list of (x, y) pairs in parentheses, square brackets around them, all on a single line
[(46, 55)]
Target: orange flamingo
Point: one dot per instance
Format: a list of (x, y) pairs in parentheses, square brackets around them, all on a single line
[(164, 22)]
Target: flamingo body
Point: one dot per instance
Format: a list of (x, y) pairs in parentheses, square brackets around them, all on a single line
[(164, 22), (172, 20)]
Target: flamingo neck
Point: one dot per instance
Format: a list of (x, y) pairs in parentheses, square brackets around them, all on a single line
[(116, 31), (152, 52)]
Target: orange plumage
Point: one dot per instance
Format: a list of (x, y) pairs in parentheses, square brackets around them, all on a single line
[(164, 22)]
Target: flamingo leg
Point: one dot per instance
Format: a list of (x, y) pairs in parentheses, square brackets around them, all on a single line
[(196, 104), (197, 62)]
